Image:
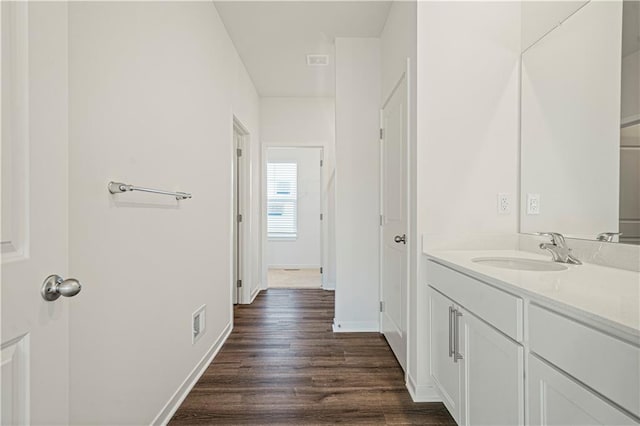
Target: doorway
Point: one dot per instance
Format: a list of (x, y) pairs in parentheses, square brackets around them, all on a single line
[(237, 282), (294, 217)]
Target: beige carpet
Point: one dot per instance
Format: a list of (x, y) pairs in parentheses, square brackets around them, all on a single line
[(294, 278)]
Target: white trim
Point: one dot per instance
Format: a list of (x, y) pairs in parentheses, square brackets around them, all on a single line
[(355, 326), (282, 238), (422, 393), (381, 208), (295, 267), (329, 286), (170, 408), (255, 294)]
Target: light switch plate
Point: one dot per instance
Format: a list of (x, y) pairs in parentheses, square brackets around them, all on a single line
[(533, 204)]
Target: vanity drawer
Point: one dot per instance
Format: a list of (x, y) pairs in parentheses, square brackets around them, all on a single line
[(604, 363), (499, 308)]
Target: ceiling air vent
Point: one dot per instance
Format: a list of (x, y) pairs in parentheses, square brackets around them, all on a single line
[(317, 60)]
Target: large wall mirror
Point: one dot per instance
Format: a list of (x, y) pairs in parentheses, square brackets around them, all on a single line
[(580, 122)]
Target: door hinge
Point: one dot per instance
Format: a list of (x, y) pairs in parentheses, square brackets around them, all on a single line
[(381, 220), (321, 163), (239, 218), (381, 134), (239, 283), (321, 216), (321, 269), (381, 306), (239, 152)]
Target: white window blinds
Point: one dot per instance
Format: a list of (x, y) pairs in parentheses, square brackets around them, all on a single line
[(282, 200)]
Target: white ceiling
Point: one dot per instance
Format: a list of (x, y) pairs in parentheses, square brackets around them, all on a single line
[(274, 37)]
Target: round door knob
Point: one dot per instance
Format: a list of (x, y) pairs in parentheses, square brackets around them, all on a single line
[(400, 239), (55, 286)]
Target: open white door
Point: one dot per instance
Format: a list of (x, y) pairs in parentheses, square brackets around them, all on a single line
[(35, 332), (394, 221)]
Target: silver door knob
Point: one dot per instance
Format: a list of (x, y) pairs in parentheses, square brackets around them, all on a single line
[(55, 286), (400, 239)]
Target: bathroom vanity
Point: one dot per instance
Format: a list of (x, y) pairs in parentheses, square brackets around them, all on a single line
[(545, 342), (511, 345)]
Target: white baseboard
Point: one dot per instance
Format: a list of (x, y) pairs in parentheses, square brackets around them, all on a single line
[(422, 393), (255, 294), (355, 326), (183, 390), (294, 267), (329, 286)]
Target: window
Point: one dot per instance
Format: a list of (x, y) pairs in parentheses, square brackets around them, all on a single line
[(282, 200)]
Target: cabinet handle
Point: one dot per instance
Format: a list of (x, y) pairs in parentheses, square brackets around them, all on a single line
[(456, 336), (451, 311)]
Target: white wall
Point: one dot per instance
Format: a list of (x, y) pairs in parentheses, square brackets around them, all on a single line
[(357, 183), (304, 251), (153, 89), (468, 56), (306, 122)]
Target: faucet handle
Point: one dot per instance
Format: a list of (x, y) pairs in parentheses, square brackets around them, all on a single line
[(608, 236), (556, 238)]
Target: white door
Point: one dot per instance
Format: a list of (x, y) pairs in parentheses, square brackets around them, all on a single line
[(492, 372), (35, 332), (394, 222), (445, 371)]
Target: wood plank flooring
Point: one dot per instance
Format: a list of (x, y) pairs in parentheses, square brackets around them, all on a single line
[(282, 364)]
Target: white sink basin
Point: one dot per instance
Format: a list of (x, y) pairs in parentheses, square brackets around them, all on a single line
[(520, 264)]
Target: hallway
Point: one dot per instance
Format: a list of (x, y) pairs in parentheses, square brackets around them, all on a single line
[(282, 364)]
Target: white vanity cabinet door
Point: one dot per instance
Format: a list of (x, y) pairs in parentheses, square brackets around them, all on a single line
[(492, 374), (556, 399), (606, 364), (445, 373)]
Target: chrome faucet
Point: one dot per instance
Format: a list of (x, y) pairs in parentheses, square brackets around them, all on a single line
[(608, 236), (558, 248)]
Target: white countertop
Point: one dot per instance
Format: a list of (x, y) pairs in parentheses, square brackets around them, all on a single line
[(604, 297)]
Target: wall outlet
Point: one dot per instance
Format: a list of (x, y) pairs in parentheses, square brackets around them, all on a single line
[(533, 203), (198, 323), (504, 203)]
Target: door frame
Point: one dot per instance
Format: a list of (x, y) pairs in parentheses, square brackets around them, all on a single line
[(265, 231), (240, 200), (405, 76)]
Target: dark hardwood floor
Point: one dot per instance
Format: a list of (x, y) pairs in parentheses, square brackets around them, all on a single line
[(282, 364)]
